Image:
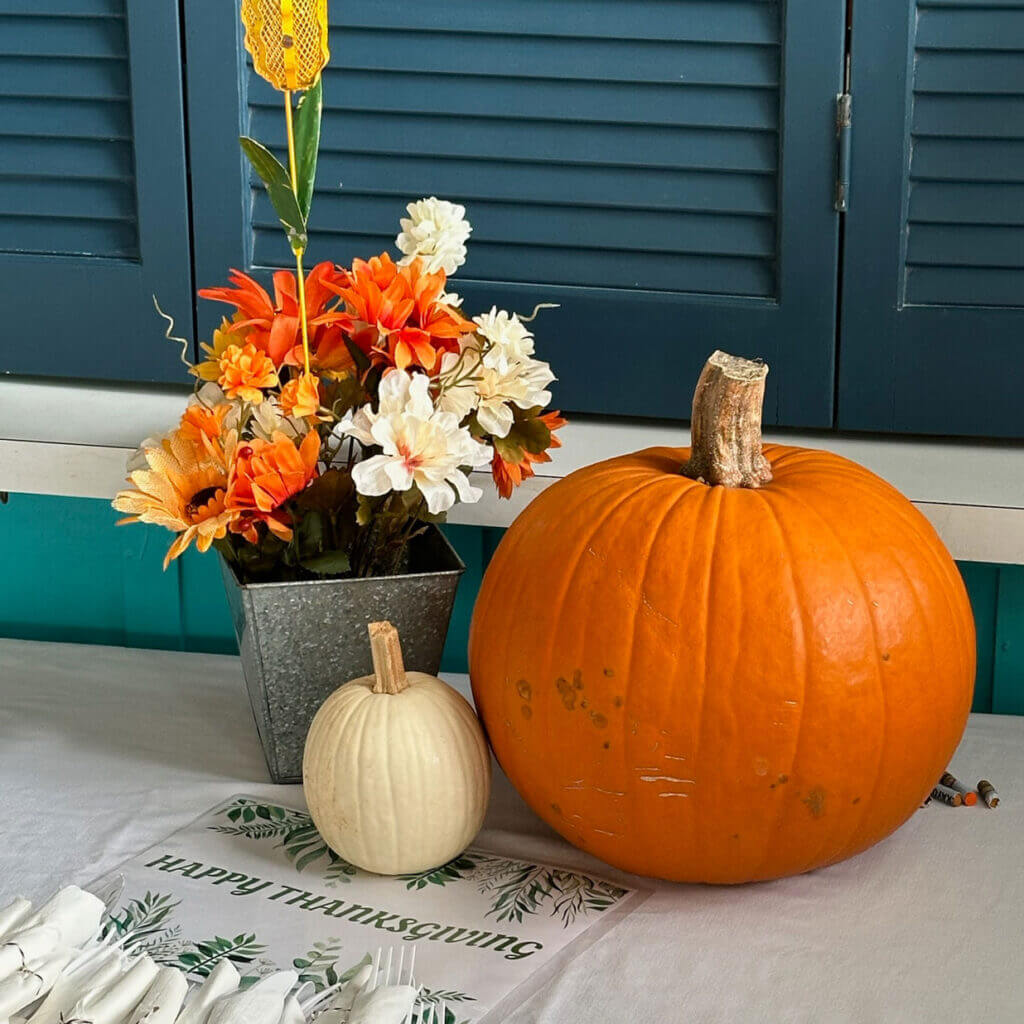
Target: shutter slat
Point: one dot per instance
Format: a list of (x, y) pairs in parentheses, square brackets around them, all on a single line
[(498, 139), (963, 29), (960, 245), (949, 72), (962, 286), (92, 200), (966, 203), (732, 21), (582, 227), (80, 237), (993, 117), (72, 119), (977, 160), (44, 35), (65, 8), (470, 181), (546, 57), (556, 266), (64, 79), (67, 159), (541, 99)]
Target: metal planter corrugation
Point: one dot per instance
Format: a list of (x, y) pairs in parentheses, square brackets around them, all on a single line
[(300, 641)]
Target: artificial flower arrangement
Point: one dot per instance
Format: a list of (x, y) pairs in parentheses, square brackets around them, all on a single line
[(334, 420)]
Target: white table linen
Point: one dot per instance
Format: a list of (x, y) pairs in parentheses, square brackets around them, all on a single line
[(105, 751)]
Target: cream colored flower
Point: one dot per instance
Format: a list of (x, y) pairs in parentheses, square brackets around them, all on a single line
[(468, 384), (421, 445), (436, 232), (506, 337)]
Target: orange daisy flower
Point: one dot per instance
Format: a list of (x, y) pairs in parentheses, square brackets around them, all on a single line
[(274, 326), (264, 475), (396, 315), (509, 475), (183, 489), (301, 396), (245, 372)]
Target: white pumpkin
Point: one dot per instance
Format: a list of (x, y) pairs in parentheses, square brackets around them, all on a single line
[(397, 773)]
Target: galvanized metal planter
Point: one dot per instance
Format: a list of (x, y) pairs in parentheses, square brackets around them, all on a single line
[(301, 641)]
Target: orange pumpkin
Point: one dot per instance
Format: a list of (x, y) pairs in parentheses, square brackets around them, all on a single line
[(725, 664)]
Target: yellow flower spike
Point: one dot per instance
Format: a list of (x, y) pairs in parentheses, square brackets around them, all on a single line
[(287, 40)]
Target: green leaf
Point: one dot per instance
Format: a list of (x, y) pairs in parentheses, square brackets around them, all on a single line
[(307, 143), (359, 357), (330, 563), (279, 187)]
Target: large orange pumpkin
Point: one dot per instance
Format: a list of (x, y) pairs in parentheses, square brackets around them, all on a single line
[(724, 664)]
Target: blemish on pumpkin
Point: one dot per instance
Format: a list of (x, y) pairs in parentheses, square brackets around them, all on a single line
[(583, 703), (761, 765), (606, 745), (886, 656), (783, 779), (634, 726), (609, 673), (815, 801), (856, 800), (617, 702), (578, 784), (609, 792), (556, 809), (735, 835), (526, 710), (567, 693), (598, 719), (577, 679), (524, 688)]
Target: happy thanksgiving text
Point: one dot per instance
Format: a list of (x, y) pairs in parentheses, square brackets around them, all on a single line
[(410, 928)]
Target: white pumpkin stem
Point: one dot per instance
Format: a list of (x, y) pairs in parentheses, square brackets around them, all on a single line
[(725, 428), (388, 666)]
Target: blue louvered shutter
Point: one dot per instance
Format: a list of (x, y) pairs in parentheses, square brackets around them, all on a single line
[(663, 170), (933, 295), (93, 202)]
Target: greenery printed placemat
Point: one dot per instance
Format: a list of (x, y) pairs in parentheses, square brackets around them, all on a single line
[(253, 882)]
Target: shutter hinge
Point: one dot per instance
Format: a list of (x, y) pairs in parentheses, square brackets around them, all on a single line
[(844, 121)]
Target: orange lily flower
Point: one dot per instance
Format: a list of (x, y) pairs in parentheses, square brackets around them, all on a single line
[(509, 475), (263, 476), (273, 325), (396, 313)]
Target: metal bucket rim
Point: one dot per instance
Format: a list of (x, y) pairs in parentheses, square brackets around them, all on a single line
[(457, 570)]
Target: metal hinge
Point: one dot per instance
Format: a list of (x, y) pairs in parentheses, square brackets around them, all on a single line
[(844, 121)]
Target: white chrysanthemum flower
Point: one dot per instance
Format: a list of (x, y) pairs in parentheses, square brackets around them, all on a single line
[(509, 340), (422, 445), (436, 232), (468, 384)]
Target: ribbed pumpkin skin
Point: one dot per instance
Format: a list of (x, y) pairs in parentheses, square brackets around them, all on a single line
[(716, 684)]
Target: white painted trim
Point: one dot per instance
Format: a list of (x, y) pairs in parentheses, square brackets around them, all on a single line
[(74, 440)]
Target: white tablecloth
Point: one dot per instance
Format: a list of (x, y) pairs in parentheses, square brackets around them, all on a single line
[(104, 751)]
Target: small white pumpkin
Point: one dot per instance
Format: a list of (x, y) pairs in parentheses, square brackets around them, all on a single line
[(397, 773)]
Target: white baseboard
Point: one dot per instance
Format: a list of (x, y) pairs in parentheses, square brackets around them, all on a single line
[(74, 441)]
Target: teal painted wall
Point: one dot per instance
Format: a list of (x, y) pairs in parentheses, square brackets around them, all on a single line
[(68, 574)]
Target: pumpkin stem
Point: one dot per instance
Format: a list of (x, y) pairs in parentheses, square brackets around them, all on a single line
[(725, 429), (388, 666)]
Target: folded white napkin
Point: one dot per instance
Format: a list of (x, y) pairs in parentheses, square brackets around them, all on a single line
[(113, 1005), (292, 1013), (26, 946), (94, 976), (12, 916), (221, 981), (388, 1004), (163, 998), (73, 912), (29, 983), (261, 1004)]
